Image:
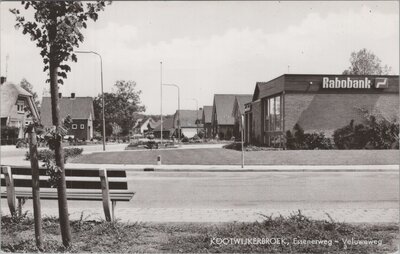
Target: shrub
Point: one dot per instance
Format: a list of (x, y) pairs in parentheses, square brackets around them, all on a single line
[(306, 141), (185, 139), (201, 134), (9, 135), (21, 143), (374, 134), (46, 154)]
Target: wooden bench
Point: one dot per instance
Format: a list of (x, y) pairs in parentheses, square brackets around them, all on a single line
[(104, 185)]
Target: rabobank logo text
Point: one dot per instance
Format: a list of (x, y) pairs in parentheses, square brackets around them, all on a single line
[(347, 83)]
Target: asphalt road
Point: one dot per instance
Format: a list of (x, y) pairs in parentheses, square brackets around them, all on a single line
[(264, 190), (270, 190)]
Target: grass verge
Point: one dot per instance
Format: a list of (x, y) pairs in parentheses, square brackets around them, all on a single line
[(279, 234)]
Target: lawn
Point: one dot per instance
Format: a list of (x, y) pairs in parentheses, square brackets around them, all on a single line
[(273, 235), (221, 156)]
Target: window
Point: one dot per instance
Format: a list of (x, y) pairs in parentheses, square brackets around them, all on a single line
[(82, 126), (273, 114), (20, 107), (74, 126)]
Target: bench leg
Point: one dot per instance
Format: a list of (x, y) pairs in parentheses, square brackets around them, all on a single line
[(21, 202), (105, 193), (6, 170), (113, 204)]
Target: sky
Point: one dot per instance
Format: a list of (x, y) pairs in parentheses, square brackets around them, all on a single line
[(209, 47)]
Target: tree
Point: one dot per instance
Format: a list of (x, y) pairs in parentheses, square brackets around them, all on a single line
[(364, 62), (56, 30), (29, 88), (122, 106)]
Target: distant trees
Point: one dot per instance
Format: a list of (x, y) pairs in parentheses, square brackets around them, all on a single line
[(364, 62), (122, 107)]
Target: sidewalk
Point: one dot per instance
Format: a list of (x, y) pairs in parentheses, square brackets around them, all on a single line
[(218, 215), (16, 161), (246, 168)]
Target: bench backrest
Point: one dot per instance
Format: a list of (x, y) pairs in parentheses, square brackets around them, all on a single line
[(75, 178)]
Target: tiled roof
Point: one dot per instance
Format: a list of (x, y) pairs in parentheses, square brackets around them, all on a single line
[(168, 124), (224, 106), (188, 118), (207, 112), (77, 108), (243, 99)]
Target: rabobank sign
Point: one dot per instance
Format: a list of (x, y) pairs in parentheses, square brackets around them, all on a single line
[(347, 83)]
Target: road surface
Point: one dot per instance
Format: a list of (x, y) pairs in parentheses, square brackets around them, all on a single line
[(225, 196)]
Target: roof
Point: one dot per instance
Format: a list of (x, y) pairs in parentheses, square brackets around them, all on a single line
[(188, 118), (153, 124), (223, 104), (168, 124), (137, 123), (207, 112), (312, 83), (243, 99), (77, 108), (9, 96)]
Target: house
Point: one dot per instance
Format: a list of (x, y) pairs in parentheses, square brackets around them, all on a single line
[(222, 121), (81, 111), (206, 120), (190, 122), (238, 111), (317, 103), (14, 101), (143, 125), (168, 128)]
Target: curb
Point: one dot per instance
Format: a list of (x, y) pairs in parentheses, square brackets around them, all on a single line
[(252, 168)]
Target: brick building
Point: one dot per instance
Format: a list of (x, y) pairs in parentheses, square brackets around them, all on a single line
[(190, 122), (238, 111), (206, 120), (318, 103), (222, 120), (79, 108)]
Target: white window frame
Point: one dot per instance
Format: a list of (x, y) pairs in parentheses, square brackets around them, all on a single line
[(20, 108), (74, 126), (82, 127)]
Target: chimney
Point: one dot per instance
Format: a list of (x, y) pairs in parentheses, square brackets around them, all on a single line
[(72, 95), (59, 95), (3, 80)]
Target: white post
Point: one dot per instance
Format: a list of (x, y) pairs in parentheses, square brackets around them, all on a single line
[(242, 133), (161, 102)]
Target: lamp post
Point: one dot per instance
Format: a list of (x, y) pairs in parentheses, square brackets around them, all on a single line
[(102, 92), (161, 102), (179, 110)]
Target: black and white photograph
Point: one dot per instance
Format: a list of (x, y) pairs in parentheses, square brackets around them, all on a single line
[(199, 126)]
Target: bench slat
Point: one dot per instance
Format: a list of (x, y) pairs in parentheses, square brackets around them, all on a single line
[(126, 196), (70, 184), (71, 172)]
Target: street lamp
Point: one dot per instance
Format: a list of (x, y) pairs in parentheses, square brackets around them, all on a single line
[(179, 111), (102, 92)]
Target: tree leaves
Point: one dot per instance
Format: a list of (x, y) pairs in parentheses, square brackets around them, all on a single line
[(121, 106), (57, 25), (364, 62)]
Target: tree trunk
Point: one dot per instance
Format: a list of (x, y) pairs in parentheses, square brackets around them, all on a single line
[(59, 156), (35, 189)]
